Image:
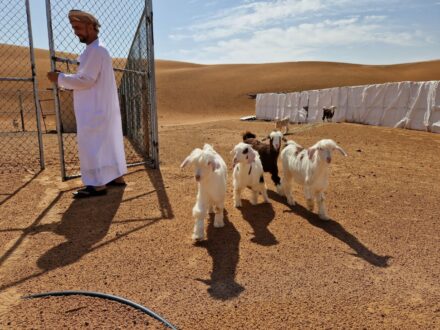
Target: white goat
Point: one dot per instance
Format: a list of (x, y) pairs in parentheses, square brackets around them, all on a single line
[(210, 172), (248, 173), (308, 167), (283, 124)]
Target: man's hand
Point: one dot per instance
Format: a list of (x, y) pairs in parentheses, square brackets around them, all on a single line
[(53, 76)]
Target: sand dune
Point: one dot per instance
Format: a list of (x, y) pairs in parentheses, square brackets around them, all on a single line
[(188, 92)]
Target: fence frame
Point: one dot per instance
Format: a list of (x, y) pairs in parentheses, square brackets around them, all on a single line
[(34, 81)]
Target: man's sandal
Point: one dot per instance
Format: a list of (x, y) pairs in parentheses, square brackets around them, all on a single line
[(116, 184), (89, 191)]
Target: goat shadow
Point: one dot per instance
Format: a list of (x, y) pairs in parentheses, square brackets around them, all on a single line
[(222, 245), (259, 217), (84, 224), (336, 230)]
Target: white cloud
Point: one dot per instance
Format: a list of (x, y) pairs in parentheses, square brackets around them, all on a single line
[(286, 30), (247, 17), (301, 42)]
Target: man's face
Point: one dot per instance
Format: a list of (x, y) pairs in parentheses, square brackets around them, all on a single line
[(82, 30)]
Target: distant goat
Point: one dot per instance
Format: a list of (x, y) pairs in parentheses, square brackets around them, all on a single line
[(268, 153), (248, 173), (308, 167), (15, 124), (283, 124), (328, 113), (210, 172)]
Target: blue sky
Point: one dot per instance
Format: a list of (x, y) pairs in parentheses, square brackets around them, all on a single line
[(247, 31)]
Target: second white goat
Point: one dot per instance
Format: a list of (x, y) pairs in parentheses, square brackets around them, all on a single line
[(248, 173), (308, 167)]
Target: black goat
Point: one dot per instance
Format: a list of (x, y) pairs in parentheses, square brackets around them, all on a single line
[(268, 153), (328, 113)]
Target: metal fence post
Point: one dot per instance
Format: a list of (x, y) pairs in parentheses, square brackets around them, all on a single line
[(55, 91), (20, 104), (35, 85)]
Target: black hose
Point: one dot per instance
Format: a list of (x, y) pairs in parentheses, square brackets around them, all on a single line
[(104, 296)]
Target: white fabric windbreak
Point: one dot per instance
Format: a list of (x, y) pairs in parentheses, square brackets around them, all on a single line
[(432, 118), (313, 106), (281, 99), (291, 106), (411, 105), (342, 104), (396, 101), (372, 102)]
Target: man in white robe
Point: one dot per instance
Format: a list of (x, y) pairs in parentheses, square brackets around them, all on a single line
[(97, 113)]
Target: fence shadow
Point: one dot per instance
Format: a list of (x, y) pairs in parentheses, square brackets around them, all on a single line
[(336, 230), (155, 176), (16, 191), (259, 217), (223, 247), (82, 227)]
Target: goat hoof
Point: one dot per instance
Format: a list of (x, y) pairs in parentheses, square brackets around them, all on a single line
[(280, 190), (197, 238), (323, 217), (219, 224)]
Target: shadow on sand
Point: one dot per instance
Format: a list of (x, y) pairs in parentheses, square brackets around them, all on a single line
[(336, 230), (85, 223), (259, 217), (222, 245)]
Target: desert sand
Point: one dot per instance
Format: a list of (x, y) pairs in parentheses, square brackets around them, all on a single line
[(374, 265)]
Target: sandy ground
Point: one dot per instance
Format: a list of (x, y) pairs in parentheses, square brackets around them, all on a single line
[(375, 264)]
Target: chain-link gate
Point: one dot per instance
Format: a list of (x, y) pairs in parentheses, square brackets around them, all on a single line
[(127, 32), (21, 144)]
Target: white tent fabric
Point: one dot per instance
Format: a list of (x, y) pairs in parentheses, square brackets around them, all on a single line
[(313, 106), (290, 106), (341, 104), (411, 105), (281, 99), (396, 101)]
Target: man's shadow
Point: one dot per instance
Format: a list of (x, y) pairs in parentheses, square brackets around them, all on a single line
[(336, 230), (84, 224), (223, 247), (259, 217)]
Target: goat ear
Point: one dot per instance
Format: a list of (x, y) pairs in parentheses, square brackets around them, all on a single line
[(251, 155), (341, 151), (311, 152), (186, 161)]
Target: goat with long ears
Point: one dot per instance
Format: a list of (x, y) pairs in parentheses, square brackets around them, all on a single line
[(210, 172), (309, 168)]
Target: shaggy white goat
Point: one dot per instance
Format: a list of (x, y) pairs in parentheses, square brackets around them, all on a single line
[(308, 167), (248, 173), (210, 172)]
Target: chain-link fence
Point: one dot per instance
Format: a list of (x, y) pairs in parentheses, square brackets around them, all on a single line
[(126, 31), (20, 135)]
